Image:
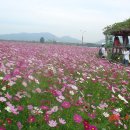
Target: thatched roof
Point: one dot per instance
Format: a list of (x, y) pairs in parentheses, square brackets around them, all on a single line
[(120, 28)]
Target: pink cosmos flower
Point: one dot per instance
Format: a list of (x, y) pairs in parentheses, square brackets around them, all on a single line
[(92, 115), (16, 72), (7, 77), (62, 89), (79, 102), (62, 121), (30, 107), (12, 108), (77, 118), (20, 126), (16, 98), (20, 108), (102, 105), (65, 104), (125, 82), (7, 95), (2, 99), (58, 93), (52, 123), (38, 90)]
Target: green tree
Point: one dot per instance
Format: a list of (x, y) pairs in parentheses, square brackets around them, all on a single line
[(42, 40)]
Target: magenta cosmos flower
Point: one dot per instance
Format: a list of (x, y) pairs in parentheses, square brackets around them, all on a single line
[(2, 128), (65, 104), (46, 117), (44, 107), (86, 125), (92, 127), (31, 119), (78, 118)]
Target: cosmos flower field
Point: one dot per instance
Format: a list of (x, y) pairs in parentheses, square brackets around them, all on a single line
[(61, 87)]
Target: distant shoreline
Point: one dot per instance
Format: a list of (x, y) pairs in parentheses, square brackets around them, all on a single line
[(92, 45)]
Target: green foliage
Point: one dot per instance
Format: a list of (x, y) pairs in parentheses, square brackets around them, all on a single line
[(115, 57), (42, 40), (118, 27)]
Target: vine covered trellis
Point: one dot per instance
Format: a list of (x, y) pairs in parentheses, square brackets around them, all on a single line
[(119, 28), (115, 30)]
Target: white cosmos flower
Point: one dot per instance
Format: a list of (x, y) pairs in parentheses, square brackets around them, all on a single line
[(93, 79), (36, 110), (113, 90), (18, 76), (1, 78), (122, 98), (93, 106), (11, 83), (71, 92), (2, 99), (78, 73), (36, 81), (31, 77), (77, 79), (88, 77), (105, 114), (118, 109), (3, 88), (24, 84), (81, 79), (51, 67), (125, 126), (54, 109), (61, 97), (73, 87), (8, 109), (82, 94), (58, 99)]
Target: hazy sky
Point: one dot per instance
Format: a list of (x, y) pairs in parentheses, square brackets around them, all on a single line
[(62, 17)]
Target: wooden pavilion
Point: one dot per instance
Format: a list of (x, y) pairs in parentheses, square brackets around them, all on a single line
[(120, 29)]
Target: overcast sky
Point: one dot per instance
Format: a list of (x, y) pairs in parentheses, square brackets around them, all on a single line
[(62, 17)]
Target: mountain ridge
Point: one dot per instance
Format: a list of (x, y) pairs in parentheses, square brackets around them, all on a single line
[(49, 37)]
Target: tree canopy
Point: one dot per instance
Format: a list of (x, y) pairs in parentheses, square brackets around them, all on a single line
[(42, 40), (119, 28)]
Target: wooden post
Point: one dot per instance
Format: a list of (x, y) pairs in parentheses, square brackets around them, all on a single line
[(125, 40)]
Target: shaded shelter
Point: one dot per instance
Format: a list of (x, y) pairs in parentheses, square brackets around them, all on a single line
[(121, 29)]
